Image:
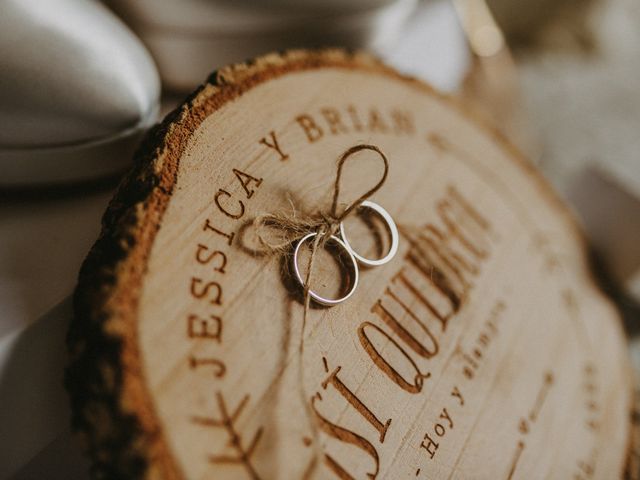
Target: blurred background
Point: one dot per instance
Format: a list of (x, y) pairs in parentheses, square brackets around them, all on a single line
[(81, 81)]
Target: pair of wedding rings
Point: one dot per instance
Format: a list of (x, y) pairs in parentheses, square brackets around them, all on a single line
[(353, 258)]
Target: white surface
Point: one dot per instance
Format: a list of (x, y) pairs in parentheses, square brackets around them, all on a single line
[(42, 244), (34, 408)]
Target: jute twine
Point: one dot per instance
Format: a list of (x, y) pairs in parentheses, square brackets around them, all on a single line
[(325, 224)]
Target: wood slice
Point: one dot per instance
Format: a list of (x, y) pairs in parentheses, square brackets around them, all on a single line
[(482, 350)]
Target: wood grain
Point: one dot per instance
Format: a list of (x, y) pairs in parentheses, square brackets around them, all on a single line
[(483, 350)]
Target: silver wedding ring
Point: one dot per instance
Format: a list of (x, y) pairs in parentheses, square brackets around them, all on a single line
[(393, 231), (351, 254), (353, 267)]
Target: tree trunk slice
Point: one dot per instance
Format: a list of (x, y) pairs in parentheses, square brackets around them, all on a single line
[(482, 350)]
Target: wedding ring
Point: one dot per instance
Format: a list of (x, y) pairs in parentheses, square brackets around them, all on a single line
[(391, 227), (353, 277)]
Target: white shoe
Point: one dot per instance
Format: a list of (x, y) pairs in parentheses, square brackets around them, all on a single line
[(77, 89)]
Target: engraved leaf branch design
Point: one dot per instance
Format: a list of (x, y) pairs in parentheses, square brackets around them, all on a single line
[(242, 454)]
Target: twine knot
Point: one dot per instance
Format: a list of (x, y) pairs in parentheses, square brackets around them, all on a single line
[(292, 227)]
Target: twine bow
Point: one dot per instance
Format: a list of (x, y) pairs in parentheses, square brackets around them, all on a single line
[(324, 224)]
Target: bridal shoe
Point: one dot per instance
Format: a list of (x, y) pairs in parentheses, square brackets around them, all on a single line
[(77, 89)]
